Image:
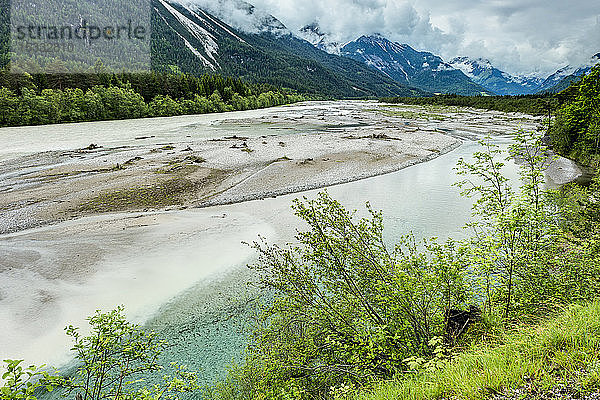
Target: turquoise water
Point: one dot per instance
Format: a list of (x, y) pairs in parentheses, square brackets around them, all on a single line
[(207, 326)]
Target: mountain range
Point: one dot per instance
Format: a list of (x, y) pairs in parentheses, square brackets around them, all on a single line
[(234, 38), (482, 71), (406, 65), (430, 72), (188, 38)]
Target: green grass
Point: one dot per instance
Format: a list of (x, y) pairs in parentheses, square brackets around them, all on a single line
[(167, 193), (563, 351)]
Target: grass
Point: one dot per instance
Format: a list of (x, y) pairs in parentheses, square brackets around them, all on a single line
[(168, 193), (562, 352)]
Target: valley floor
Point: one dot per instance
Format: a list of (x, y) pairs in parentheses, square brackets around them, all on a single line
[(199, 161), (59, 274)]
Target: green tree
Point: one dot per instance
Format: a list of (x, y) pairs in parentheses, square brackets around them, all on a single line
[(347, 309), (21, 383), (115, 357), (576, 132)]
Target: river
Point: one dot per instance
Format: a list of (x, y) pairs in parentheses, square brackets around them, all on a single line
[(183, 272)]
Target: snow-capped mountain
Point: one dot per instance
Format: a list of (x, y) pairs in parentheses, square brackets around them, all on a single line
[(406, 65), (482, 71), (562, 78), (189, 38), (313, 34), (239, 14)]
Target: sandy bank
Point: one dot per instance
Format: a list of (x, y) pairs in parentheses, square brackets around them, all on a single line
[(201, 161)]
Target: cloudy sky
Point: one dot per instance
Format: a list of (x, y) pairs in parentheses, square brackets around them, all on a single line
[(519, 36)]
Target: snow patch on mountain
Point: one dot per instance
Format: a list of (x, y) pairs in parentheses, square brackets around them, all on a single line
[(240, 15), (215, 22), (188, 44), (444, 67), (569, 73), (471, 68), (209, 42), (483, 72), (407, 65), (313, 34)]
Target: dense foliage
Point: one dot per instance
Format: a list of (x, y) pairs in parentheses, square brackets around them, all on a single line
[(348, 311), (112, 361), (576, 132), (49, 99), (555, 359), (528, 104)]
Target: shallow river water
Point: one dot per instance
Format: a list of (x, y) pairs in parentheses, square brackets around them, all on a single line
[(183, 273)]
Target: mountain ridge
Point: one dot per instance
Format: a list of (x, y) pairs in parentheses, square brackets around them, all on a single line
[(409, 66), (483, 72), (190, 39)]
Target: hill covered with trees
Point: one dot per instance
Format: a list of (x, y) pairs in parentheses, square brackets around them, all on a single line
[(49, 99), (576, 132)]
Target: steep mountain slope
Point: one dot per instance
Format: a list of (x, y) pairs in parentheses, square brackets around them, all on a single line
[(482, 71), (562, 78), (313, 34), (189, 39), (406, 65)]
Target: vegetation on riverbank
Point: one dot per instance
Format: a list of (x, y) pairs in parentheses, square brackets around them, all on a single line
[(557, 359), (576, 132), (511, 311), (468, 319), (350, 312), (51, 99), (528, 104)]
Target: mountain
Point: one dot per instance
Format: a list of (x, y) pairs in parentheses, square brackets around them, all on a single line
[(561, 79), (188, 38), (313, 34), (482, 71), (239, 14), (408, 66)]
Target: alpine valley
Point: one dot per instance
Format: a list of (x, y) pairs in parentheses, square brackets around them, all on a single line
[(234, 38), (190, 39), (251, 44)]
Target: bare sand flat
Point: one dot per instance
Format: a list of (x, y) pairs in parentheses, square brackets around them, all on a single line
[(199, 161)]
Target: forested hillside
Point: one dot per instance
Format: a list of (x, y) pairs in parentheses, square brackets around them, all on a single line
[(275, 58), (49, 99), (576, 132)]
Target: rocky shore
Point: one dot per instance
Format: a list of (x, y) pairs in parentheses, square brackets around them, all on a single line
[(200, 161)]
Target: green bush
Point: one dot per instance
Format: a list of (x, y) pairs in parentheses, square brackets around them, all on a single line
[(347, 311), (112, 362), (560, 352), (576, 132)]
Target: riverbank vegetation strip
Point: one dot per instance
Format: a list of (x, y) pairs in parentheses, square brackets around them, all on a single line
[(53, 99), (527, 104), (478, 318)]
